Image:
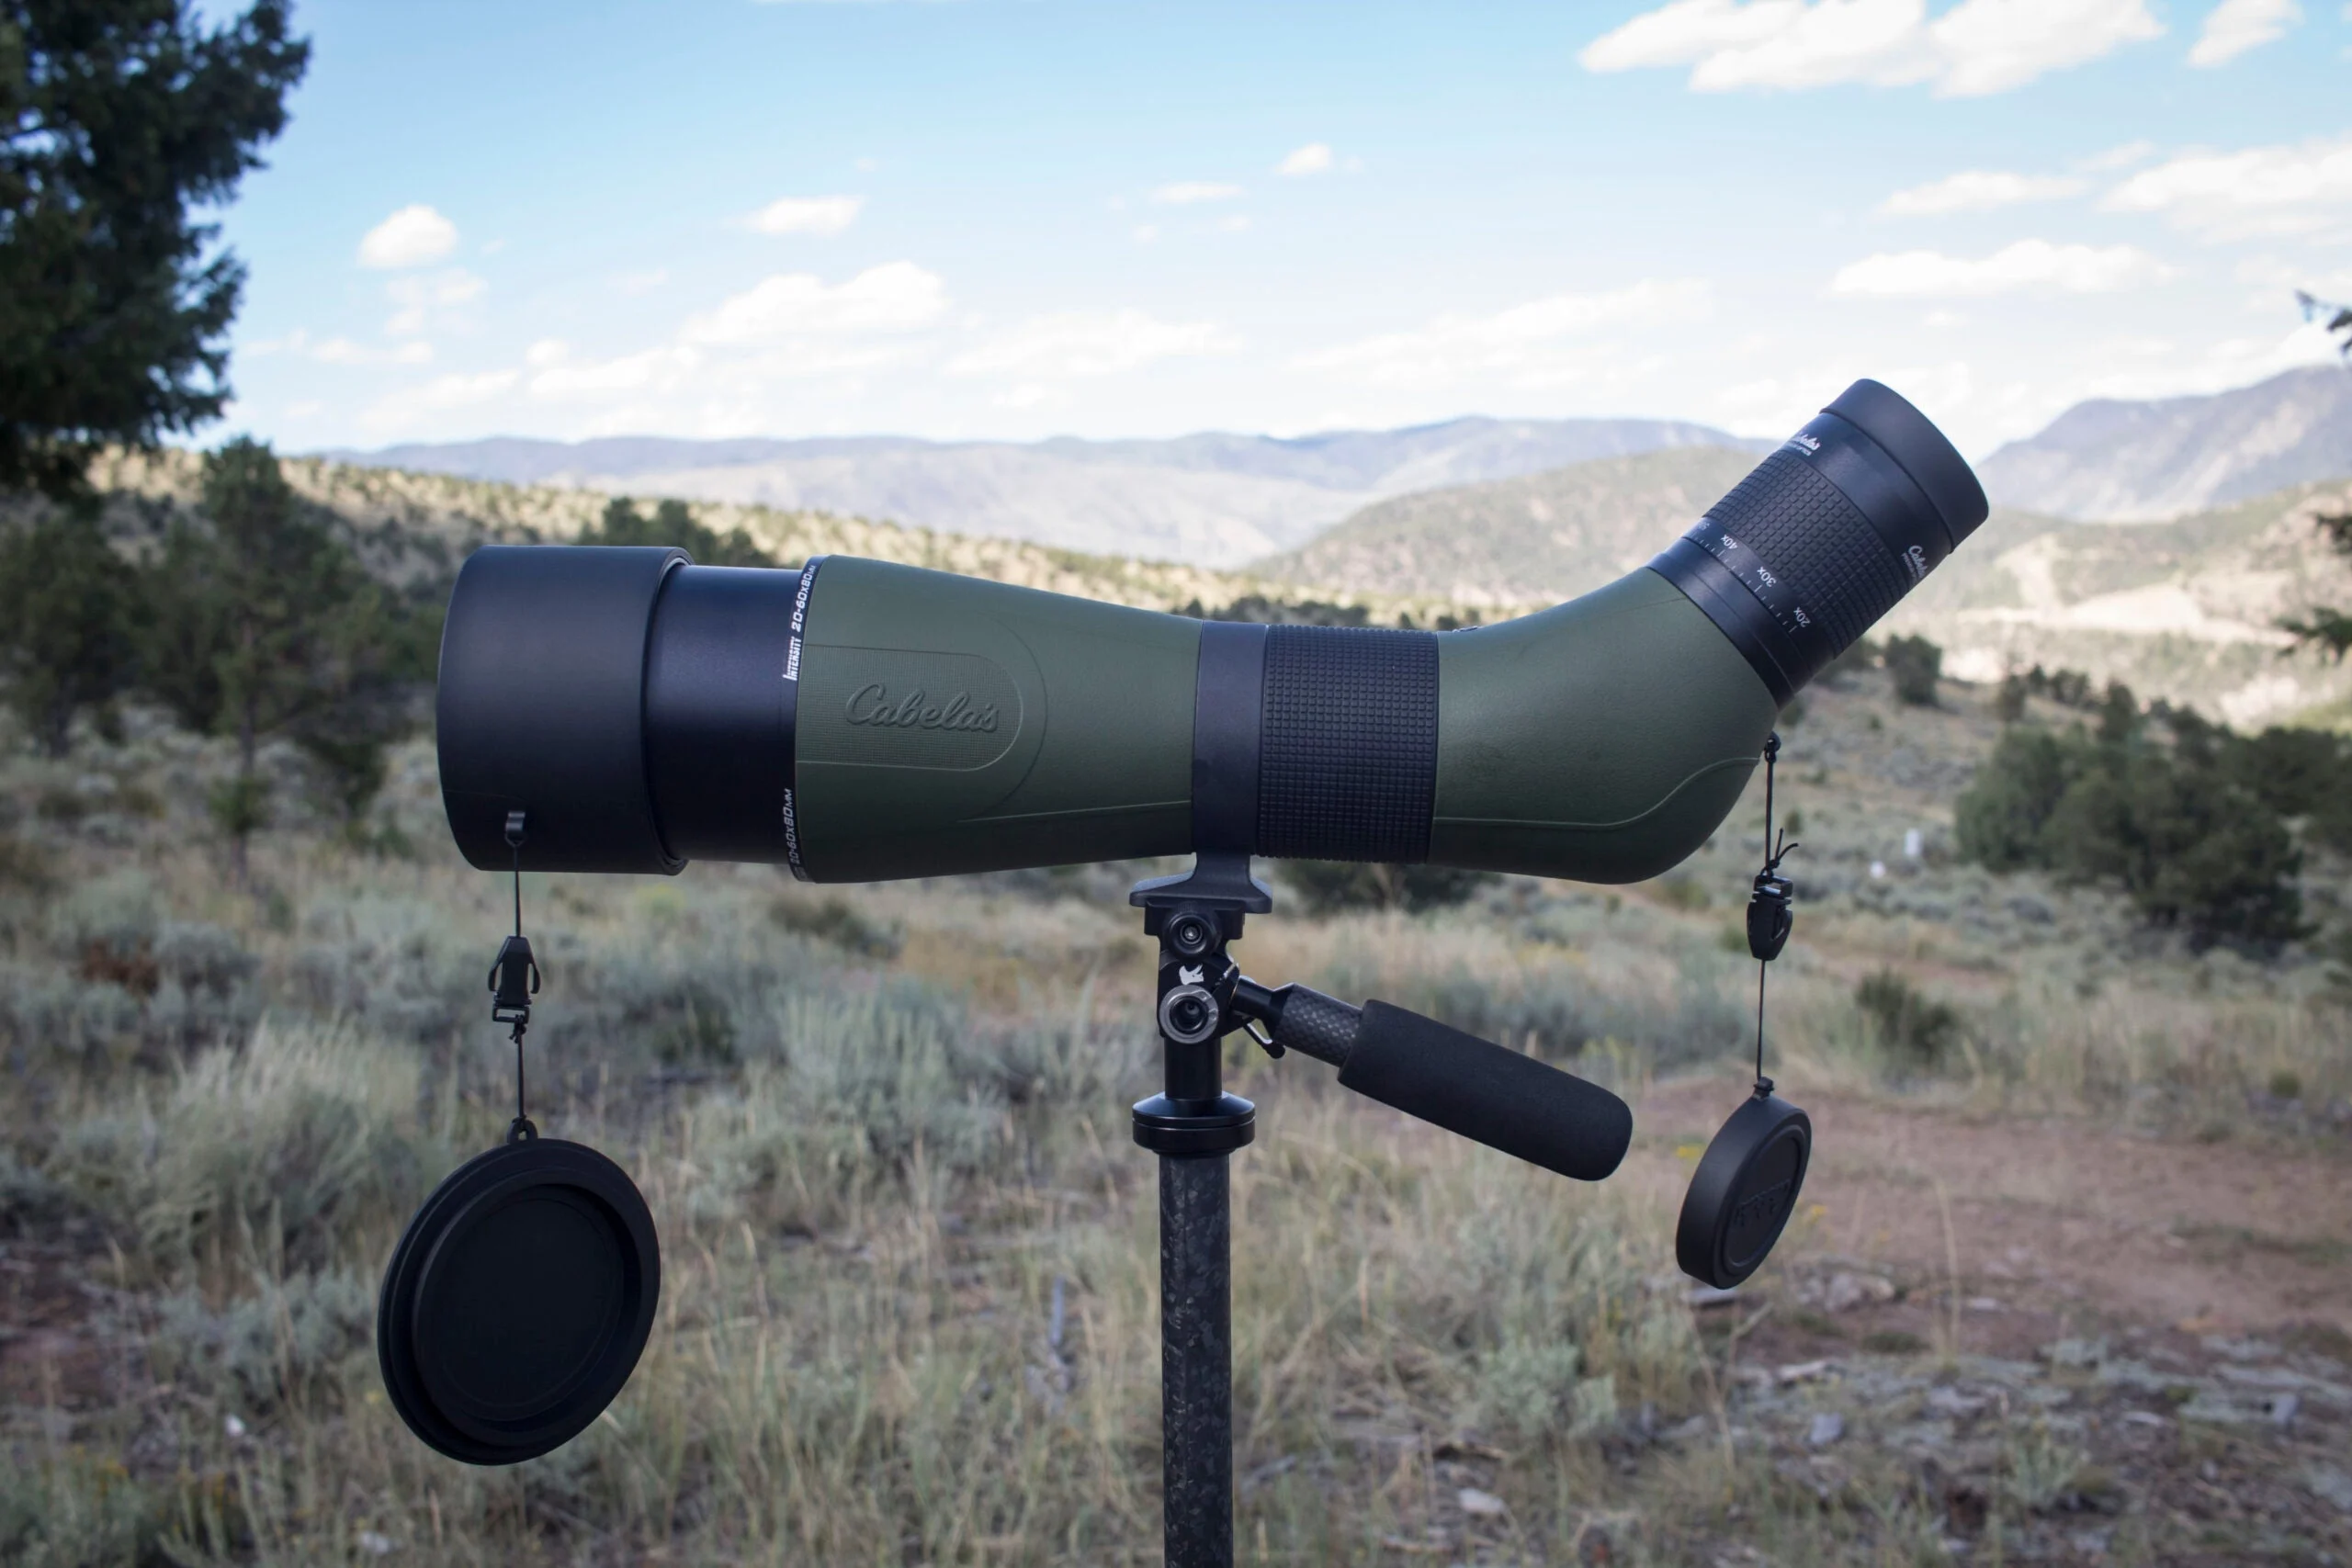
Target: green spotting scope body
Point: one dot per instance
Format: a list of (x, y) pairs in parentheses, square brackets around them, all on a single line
[(953, 726), (862, 721)]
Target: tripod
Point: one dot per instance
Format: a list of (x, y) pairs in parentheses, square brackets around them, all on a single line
[(1417, 1064), (1194, 1126)]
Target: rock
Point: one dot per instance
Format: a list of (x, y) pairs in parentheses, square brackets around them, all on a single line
[(2282, 1410), (2330, 1484), (1986, 1304), (1827, 1427), (1847, 1291), (2145, 1418), (2076, 1352), (1804, 1371), (374, 1544), (1951, 1402), (1708, 1296), (1481, 1505)]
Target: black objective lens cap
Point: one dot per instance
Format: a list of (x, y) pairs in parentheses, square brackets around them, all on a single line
[(1743, 1191), (518, 1303), (1919, 449)]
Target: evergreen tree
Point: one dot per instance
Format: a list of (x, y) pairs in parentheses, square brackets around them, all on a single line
[(2175, 827), (2325, 628), (121, 116), (673, 524), (264, 624), (66, 615)]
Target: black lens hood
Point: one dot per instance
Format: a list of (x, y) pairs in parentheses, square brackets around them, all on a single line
[(1743, 1191), (518, 1301)]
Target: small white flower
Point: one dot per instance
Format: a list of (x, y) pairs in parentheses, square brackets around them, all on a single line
[(234, 1427)]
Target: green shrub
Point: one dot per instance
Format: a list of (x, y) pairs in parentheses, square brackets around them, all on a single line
[(836, 920), (2174, 827), (1913, 665), (1908, 1024), (257, 1353), (2001, 818), (285, 1147)]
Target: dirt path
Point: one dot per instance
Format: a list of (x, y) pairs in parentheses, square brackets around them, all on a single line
[(2050, 1216)]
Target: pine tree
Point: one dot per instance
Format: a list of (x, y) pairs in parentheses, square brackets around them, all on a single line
[(66, 613), (121, 116), (264, 624)]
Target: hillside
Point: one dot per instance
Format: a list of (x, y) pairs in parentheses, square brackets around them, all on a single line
[(2122, 461), (439, 517), (2184, 610), (1534, 539), (1215, 498)]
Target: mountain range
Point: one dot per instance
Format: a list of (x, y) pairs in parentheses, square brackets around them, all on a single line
[(1219, 501), (2137, 461), (1213, 500)]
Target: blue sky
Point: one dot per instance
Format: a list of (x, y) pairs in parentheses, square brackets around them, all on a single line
[(1024, 218)]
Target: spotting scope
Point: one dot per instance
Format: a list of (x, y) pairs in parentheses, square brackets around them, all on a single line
[(859, 721)]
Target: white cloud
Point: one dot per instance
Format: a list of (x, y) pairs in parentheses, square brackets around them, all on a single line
[(425, 296), (401, 409), (1092, 342), (1144, 233), (822, 215), (662, 369), (895, 297), (341, 349), (2121, 156), (1188, 193), (1314, 158), (2235, 25), (2026, 266), (1978, 47), (1234, 223), (1978, 190), (411, 237), (1991, 46), (1523, 343), (636, 283), (2260, 190)]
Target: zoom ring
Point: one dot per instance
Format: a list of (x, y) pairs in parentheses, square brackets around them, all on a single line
[(1807, 554)]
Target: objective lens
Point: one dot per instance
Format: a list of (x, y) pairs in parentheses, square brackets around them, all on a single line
[(1808, 551)]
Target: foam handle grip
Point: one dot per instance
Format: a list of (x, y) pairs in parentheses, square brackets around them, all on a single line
[(1479, 1090)]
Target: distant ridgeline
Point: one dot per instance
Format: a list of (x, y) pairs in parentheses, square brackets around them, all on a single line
[(2185, 610), (412, 524)]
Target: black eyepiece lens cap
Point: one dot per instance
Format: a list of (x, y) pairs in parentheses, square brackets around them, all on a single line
[(518, 1301), (1743, 1191)]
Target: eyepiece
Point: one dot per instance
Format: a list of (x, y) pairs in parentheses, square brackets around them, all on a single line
[(1826, 535)]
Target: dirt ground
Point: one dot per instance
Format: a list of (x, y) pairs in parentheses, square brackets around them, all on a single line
[(2051, 1218)]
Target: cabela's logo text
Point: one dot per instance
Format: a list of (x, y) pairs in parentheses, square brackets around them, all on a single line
[(872, 704)]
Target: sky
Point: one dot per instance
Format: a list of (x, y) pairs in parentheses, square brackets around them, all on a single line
[(1017, 219)]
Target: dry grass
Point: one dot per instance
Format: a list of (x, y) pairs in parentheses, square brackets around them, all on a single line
[(883, 1135)]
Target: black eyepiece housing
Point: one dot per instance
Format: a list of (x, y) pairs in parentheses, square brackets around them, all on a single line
[(1807, 552)]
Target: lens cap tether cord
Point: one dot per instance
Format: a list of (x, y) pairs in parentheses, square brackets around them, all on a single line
[(1746, 1184), (518, 1301), (514, 981)]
